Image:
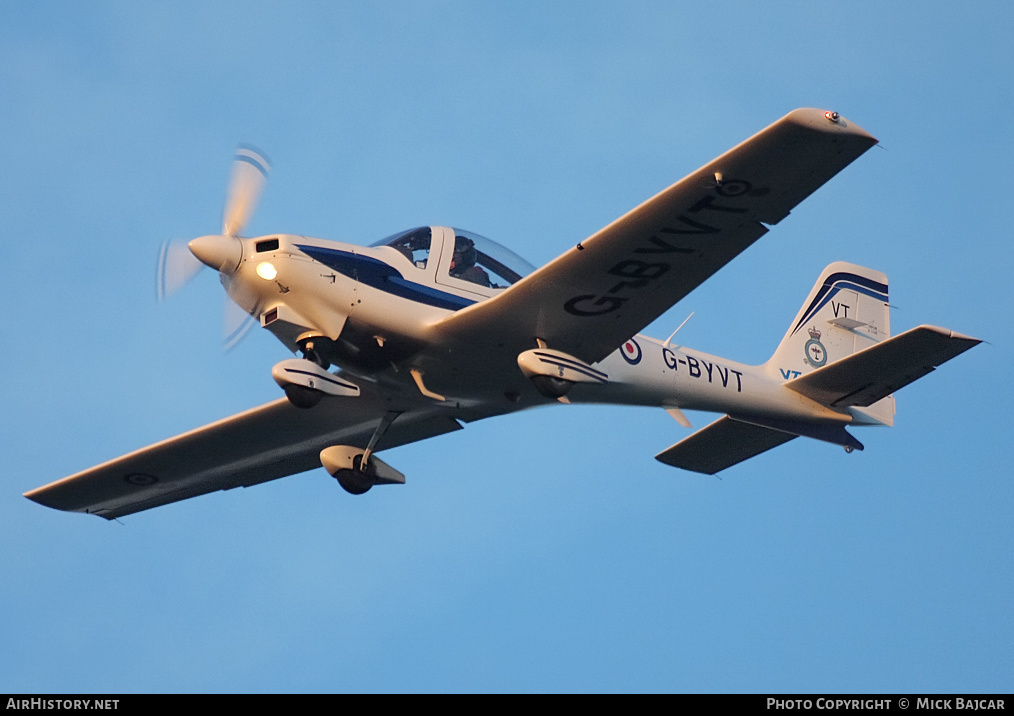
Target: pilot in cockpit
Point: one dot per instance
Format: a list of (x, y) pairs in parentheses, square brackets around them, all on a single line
[(463, 263)]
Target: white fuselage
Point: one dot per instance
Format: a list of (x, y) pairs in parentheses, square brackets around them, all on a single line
[(645, 371), (383, 312)]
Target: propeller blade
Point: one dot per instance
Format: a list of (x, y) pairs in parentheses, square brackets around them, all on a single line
[(176, 267), (237, 323), (249, 172)]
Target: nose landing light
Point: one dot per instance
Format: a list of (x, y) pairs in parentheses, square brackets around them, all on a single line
[(267, 271)]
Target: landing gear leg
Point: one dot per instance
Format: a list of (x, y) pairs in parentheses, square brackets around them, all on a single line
[(308, 348), (299, 395), (385, 423)]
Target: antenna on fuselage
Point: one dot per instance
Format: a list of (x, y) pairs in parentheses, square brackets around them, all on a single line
[(669, 339)]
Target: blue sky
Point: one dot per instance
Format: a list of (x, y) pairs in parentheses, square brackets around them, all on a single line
[(545, 551)]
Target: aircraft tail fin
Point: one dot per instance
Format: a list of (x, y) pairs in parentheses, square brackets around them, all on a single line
[(846, 311), (837, 352)]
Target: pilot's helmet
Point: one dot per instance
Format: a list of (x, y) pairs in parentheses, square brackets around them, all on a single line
[(464, 253)]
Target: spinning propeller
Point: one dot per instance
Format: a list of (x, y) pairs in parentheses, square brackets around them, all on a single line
[(179, 261)]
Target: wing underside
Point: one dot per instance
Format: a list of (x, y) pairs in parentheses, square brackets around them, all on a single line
[(265, 443), (613, 284)]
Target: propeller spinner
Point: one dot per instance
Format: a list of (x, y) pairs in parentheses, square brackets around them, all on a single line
[(180, 261)]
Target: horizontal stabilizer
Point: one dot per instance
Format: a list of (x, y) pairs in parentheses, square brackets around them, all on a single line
[(865, 377), (722, 444), (828, 433)]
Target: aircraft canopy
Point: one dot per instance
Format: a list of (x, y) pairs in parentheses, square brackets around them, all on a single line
[(499, 265)]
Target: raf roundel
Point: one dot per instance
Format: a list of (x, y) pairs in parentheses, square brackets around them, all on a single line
[(631, 352)]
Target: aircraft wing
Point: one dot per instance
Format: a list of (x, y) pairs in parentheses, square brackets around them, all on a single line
[(865, 377), (261, 444), (613, 284)]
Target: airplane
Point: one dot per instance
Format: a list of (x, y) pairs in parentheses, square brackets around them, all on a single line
[(435, 327)]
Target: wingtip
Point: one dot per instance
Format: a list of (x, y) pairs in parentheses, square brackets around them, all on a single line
[(826, 120), (962, 337), (953, 334), (38, 496)]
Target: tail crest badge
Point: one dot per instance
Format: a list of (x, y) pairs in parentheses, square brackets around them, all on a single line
[(816, 355)]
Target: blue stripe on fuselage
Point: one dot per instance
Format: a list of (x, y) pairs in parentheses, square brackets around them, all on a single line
[(379, 275)]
